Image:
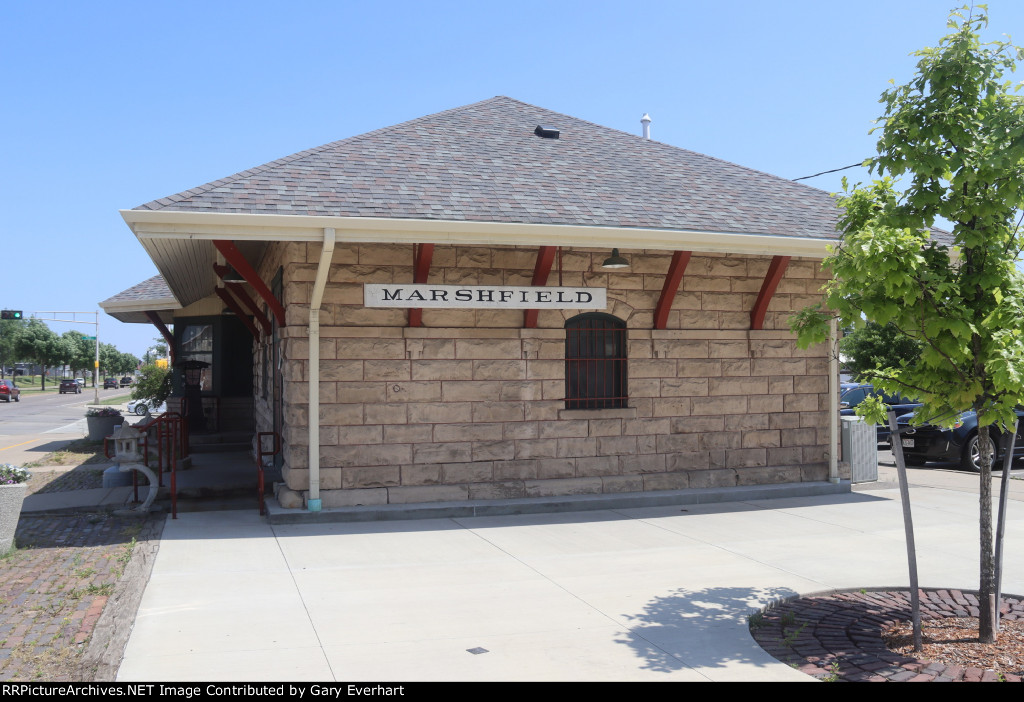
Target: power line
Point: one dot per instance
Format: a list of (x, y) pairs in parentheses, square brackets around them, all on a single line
[(834, 170)]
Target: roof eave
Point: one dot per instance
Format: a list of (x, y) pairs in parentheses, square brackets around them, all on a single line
[(176, 224), (168, 303)]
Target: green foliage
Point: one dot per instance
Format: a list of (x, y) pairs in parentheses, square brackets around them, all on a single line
[(951, 146), (78, 353), (756, 620), (38, 343), (790, 638), (877, 346), (954, 137), (126, 363), (9, 331), (154, 383)]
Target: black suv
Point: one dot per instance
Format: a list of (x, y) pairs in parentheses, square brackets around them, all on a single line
[(69, 385), (852, 397), (109, 383)]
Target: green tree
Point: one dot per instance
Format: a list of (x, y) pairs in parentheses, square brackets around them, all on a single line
[(127, 363), (9, 331), (65, 349), (157, 350), (39, 344), (154, 383), (874, 346), (110, 358), (953, 138), (80, 352)]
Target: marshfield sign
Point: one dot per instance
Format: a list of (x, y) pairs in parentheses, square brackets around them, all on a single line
[(501, 297)]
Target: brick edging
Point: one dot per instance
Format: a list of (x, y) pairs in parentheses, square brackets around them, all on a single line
[(836, 634)]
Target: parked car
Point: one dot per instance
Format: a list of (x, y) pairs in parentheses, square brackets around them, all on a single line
[(140, 407), (109, 383), (69, 385), (958, 445), (9, 391), (850, 398), (126, 382)]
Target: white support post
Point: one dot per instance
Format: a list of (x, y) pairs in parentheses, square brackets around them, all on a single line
[(833, 401), (314, 504)]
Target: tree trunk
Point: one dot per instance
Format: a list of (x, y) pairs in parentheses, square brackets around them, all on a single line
[(987, 587)]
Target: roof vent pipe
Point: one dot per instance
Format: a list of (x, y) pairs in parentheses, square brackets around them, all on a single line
[(646, 122)]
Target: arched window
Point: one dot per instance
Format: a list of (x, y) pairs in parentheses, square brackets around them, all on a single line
[(595, 362)]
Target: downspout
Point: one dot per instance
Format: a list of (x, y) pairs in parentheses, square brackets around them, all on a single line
[(313, 504), (833, 401)]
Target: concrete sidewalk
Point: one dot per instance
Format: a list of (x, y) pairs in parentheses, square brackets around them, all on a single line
[(630, 594)]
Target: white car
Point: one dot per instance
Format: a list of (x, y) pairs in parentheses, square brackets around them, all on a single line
[(140, 407), (81, 382)]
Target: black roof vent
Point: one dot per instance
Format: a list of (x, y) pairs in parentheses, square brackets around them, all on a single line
[(546, 132)]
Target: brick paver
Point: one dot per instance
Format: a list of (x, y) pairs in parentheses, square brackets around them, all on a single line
[(54, 587), (839, 637)]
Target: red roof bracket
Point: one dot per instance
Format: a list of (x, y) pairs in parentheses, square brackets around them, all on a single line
[(238, 291), (236, 259), (670, 287), (545, 258), (422, 255), (771, 281), (239, 312), (154, 318)]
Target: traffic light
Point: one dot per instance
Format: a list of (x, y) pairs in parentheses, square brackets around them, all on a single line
[(10, 314)]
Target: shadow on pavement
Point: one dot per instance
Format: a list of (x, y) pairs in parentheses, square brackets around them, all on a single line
[(670, 622)]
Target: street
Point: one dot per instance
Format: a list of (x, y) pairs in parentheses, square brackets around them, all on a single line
[(43, 422)]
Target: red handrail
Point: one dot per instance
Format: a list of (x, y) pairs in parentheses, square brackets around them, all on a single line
[(260, 455), (172, 431)]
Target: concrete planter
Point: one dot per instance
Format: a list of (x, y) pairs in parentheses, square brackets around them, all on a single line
[(102, 427), (11, 497)]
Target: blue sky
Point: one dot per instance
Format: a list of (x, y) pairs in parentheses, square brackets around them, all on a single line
[(108, 105)]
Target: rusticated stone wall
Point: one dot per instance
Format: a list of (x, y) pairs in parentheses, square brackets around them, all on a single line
[(471, 405)]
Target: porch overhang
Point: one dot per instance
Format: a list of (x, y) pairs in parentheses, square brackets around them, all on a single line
[(142, 302)]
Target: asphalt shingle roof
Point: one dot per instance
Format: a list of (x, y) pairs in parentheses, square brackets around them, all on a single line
[(483, 162), (154, 288)]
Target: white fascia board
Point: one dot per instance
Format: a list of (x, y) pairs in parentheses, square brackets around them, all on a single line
[(140, 305), (169, 224)]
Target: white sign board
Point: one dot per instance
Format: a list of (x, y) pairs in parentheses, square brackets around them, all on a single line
[(501, 297)]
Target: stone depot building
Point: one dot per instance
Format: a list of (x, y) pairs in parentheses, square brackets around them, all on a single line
[(499, 301)]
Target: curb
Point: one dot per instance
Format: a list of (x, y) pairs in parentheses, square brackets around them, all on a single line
[(110, 637)]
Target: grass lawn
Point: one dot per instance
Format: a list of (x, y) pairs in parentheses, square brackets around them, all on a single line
[(33, 383)]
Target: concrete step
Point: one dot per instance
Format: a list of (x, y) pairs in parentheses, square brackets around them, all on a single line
[(219, 447)]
